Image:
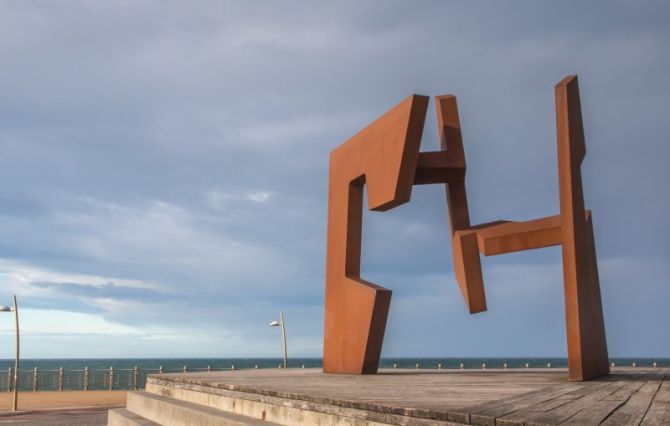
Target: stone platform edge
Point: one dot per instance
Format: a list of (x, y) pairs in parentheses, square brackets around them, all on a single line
[(322, 404)]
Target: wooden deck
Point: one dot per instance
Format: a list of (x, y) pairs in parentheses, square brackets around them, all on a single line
[(629, 396)]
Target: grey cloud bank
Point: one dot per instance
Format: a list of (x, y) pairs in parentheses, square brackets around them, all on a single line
[(163, 168)]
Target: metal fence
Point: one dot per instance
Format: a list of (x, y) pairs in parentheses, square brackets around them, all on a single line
[(86, 379), (136, 378), (513, 364)]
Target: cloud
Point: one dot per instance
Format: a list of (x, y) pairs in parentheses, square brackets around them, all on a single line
[(109, 290), (260, 196), (227, 202), (164, 167)]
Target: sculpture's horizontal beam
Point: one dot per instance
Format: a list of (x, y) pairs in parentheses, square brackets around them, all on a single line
[(438, 167), (506, 237)]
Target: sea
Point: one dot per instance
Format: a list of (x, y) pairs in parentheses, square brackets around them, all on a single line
[(131, 373)]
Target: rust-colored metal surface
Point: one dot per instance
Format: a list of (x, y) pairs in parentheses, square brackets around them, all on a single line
[(386, 157)]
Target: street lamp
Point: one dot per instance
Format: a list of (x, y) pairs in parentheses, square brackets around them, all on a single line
[(282, 323), (14, 309)]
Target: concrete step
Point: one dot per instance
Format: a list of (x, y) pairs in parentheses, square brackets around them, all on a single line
[(172, 412), (287, 410), (123, 417)]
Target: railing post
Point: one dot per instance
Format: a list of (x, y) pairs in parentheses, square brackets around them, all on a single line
[(85, 378), (135, 376), (10, 376), (61, 379), (111, 378), (35, 379)]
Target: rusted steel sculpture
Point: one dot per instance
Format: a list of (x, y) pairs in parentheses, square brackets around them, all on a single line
[(385, 156)]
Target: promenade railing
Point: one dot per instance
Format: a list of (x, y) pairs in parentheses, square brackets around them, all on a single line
[(87, 379), (136, 378)]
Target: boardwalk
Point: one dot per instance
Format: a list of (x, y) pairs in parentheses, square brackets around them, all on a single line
[(629, 396)]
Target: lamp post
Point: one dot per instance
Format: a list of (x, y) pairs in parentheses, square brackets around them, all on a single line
[(282, 323), (15, 309)]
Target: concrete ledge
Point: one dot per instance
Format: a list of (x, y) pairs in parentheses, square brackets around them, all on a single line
[(421, 397), (123, 417), (289, 411), (173, 412)]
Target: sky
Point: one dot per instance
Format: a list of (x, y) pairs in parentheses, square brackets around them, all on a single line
[(164, 170)]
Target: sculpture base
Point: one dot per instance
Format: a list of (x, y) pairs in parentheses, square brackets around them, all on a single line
[(393, 397)]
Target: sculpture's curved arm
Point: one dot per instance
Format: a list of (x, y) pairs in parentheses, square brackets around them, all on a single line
[(382, 157)]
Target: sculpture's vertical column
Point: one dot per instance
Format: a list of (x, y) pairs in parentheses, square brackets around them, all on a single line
[(587, 347)]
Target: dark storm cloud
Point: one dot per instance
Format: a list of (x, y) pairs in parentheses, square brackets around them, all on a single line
[(185, 148)]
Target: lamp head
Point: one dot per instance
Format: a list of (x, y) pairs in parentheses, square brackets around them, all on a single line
[(4, 308), (275, 323)]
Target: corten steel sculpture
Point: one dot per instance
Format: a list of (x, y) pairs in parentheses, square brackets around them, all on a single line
[(385, 156)]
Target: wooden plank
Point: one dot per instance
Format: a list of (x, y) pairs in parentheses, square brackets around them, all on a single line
[(629, 389), (657, 415), (598, 412), (463, 415), (634, 410), (518, 418), (659, 411), (488, 416), (593, 415), (564, 412)]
